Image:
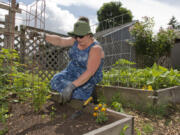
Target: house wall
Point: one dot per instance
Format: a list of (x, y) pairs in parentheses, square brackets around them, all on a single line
[(175, 56)]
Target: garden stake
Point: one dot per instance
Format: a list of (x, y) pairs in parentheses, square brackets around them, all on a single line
[(79, 112)]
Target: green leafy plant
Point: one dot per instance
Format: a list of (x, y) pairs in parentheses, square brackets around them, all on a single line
[(156, 77), (17, 85), (101, 98), (138, 132), (64, 116), (148, 128), (124, 130), (52, 113), (150, 47), (165, 40), (101, 118), (116, 98), (3, 113), (117, 106), (4, 131), (43, 116), (40, 95)]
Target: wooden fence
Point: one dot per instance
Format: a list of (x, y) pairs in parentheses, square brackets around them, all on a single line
[(39, 56)]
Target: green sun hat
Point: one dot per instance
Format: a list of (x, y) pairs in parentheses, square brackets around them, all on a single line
[(81, 28)]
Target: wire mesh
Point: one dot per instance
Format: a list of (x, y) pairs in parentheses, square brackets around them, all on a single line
[(115, 43)]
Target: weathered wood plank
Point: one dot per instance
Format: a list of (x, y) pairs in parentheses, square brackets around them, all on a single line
[(3, 30), (6, 7)]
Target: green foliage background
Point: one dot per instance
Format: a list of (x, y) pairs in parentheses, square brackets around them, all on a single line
[(149, 46)]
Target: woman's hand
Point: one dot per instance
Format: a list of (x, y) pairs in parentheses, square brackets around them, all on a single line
[(67, 92)]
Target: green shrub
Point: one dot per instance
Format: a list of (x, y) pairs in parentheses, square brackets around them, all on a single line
[(150, 47)]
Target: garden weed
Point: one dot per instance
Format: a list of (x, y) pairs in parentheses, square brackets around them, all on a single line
[(64, 116), (138, 132), (4, 131), (52, 113), (148, 128), (124, 130)]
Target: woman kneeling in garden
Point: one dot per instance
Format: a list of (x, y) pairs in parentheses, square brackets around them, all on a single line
[(84, 70)]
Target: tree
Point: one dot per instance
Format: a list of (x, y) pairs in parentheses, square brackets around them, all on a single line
[(144, 42), (112, 14), (149, 47), (174, 23)]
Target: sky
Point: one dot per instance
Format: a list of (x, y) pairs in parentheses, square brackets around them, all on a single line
[(62, 14)]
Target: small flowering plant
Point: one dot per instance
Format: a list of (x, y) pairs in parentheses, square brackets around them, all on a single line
[(100, 113), (149, 87)]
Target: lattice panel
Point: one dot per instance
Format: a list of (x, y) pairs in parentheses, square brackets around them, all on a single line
[(1, 40), (48, 74), (43, 58), (17, 43), (38, 56)]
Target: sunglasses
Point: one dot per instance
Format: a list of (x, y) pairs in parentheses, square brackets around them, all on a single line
[(76, 36)]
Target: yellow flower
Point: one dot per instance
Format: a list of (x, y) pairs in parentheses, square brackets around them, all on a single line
[(144, 87), (100, 105), (95, 114), (96, 108), (150, 87), (103, 109)]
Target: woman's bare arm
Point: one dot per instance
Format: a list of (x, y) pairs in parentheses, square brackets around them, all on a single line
[(94, 61), (59, 41)]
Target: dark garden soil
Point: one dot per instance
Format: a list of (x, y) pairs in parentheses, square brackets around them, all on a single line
[(54, 119)]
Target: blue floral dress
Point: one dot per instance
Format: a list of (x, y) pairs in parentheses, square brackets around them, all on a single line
[(76, 67)]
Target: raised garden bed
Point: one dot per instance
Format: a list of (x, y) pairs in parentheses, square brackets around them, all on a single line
[(113, 128), (54, 119), (141, 99)]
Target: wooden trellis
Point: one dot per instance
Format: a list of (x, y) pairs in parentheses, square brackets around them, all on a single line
[(39, 56)]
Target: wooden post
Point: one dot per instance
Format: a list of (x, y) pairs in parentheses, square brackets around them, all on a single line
[(6, 34), (12, 23), (9, 30), (22, 43)]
